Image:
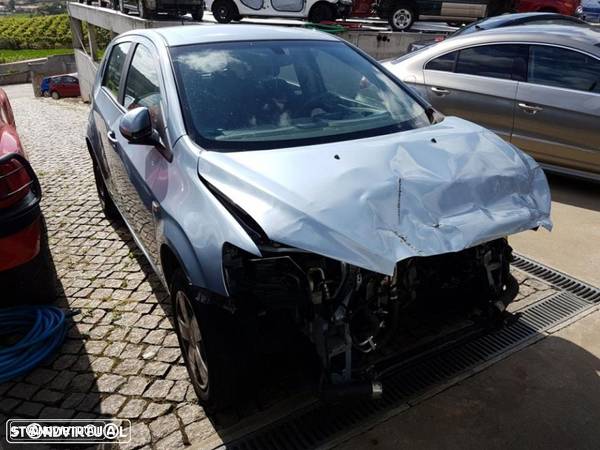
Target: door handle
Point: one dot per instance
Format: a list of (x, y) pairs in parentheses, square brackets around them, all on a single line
[(112, 137), (529, 109), (439, 91)]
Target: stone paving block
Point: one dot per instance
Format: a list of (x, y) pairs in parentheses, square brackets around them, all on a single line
[(163, 426)]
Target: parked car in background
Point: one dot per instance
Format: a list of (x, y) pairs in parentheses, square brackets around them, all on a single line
[(45, 87), (565, 7), (537, 86), (64, 86), (26, 269), (591, 10), (401, 14), (148, 9), (505, 20), (224, 11), (279, 181)]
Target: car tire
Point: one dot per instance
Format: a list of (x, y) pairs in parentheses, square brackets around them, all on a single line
[(143, 12), (212, 346), (321, 12), (55, 95), (224, 11), (106, 202), (35, 282), (401, 17), (45, 94), (198, 14)]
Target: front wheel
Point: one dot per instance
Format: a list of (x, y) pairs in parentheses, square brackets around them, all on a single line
[(211, 344), (402, 17), (224, 11), (321, 12), (198, 14), (143, 11), (55, 95)]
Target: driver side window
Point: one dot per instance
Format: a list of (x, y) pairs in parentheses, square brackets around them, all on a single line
[(142, 87)]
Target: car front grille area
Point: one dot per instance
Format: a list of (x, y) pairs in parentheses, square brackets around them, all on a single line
[(417, 378)]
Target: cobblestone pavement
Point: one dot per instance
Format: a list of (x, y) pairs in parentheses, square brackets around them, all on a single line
[(121, 358)]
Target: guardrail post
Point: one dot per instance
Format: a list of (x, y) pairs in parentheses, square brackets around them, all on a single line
[(93, 42)]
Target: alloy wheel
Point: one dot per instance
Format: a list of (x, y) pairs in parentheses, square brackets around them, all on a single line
[(402, 19), (192, 343)]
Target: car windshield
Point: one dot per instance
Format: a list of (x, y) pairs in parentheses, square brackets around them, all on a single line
[(268, 94)]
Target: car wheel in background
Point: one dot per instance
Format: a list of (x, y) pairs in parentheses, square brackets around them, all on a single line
[(401, 17), (45, 94), (144, 12), (106, 202), (224, 11), (321, 12), (198, 13), (55, 95), (211, 344)]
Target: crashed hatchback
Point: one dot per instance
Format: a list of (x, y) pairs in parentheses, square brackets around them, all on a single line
[(278, 175)]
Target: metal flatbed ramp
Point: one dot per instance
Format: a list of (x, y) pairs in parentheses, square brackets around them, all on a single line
[(318, 425)]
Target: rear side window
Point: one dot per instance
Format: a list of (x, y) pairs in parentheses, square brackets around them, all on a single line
[(114, 68), (553, 66), (493, 61), (444, 63)]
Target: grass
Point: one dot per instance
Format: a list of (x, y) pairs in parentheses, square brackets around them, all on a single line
[(7, 56)]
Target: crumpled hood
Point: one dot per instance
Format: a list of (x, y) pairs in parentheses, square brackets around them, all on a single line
[(376, 201)]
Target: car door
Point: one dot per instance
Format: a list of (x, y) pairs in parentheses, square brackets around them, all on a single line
[(558, 108), (478, 83), (143, 168), (107, 112)]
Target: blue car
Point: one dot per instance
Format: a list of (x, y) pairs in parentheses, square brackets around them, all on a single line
[(280, 181), (45, 86)]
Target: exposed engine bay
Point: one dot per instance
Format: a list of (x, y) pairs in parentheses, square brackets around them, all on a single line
[(351, 315)]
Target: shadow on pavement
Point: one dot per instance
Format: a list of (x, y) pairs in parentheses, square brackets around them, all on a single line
[(545, 397)]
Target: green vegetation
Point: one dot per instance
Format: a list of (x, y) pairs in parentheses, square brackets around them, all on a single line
[(35, 32), (7, 56), (26, 37)]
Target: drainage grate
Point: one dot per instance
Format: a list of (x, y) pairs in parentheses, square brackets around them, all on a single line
[(558, 279), (318, 424)]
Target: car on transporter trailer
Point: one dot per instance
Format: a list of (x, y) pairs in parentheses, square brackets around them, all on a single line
[(150, 9), (225, 11), (401, 14), (26, 270), (281, 181)]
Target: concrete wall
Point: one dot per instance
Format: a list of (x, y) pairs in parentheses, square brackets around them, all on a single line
[(384, 44), (86, 69), (16, 72)]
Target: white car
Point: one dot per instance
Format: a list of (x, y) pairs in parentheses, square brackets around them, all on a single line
[(315, 11)]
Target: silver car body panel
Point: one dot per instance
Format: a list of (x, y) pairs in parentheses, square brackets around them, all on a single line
[(563, 133), (428, 191), (423, 192)]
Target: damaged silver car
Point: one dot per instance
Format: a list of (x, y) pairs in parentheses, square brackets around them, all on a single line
[(270, 172)]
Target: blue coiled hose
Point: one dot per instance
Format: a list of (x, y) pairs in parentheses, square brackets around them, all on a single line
[(47, 330)]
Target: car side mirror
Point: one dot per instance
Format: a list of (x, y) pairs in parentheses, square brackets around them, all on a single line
[(136, 127)]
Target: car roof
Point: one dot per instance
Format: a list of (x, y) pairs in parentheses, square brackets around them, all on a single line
[(203, 34), (529, 16), (576, 36)]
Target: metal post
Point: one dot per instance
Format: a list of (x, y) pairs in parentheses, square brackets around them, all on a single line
[(77, 33), (93, 42)]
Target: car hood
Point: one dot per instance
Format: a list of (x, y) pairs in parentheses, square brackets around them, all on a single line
[(373, 202)]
